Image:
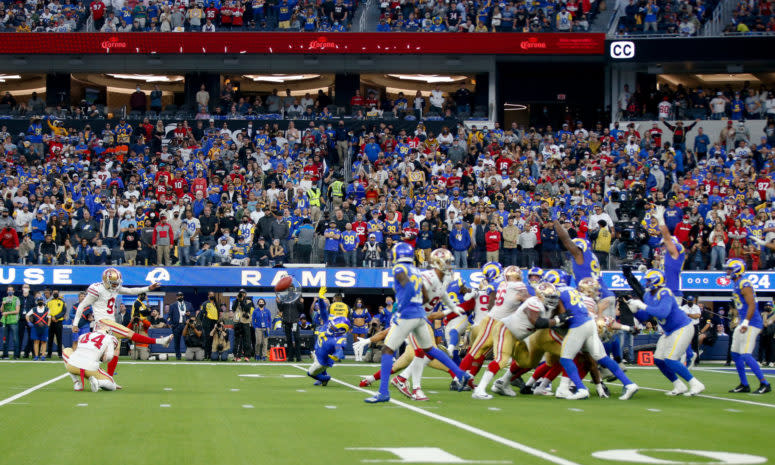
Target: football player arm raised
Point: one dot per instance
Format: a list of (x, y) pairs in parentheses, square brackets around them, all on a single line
[(138, 290), (87, 302), (751, 303), (659, 213), (566, 240)]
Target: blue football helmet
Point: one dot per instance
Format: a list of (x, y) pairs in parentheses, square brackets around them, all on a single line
[(492, 270), (582, 244), (536, 273), (403, 253), (653, 279), (677, 244), (734, 267), (339, 326), (556, 277)]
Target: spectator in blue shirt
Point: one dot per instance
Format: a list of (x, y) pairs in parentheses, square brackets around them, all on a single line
[(460, 241), (372, 150), (348, 243), (38, 229), (701, 143), (331, 247)]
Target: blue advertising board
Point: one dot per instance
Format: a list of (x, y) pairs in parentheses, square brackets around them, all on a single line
[(356, 278)]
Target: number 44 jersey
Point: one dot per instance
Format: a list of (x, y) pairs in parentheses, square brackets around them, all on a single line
[(92, 348)]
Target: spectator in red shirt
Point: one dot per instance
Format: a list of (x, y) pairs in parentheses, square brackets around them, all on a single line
[(492, 242), (357, 99), (361, 228), (226, 16), (682, 230), (98, 14), (162, 177), (9, 243), (163, 240)]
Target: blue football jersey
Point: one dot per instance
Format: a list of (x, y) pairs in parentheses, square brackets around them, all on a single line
[(574, 306), (665, 309), (742, 305), (409, 297), (329, 349)]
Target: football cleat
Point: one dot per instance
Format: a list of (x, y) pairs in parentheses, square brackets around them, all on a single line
[(400, 383), (741, 388), (679, 389), (502, 388), (480, 395), (94, 384), (543, 391), (628, 391), (77, 386), (165, 341), (365, 382), (517, 382), (763, 389), (418, 395), (562, 393), (526, 390), (377, 398), (580, 394), (465, 380), (695, 387)]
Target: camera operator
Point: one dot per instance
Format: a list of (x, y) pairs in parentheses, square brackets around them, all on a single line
[(242, 307), (140, 325), (209, 311), (220, 343), (192, 335), (374, 353)]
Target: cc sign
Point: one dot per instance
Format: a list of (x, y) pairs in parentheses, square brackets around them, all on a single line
[(622, 49)]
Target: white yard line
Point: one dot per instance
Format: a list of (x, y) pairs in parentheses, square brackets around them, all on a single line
[(31, 390), (471, 429)]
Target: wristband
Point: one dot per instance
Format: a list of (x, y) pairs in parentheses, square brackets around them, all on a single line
[(446, 311), (744, 323)]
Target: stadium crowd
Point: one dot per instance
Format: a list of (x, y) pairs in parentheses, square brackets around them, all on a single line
[(344, 191), (753, 16), (178, 16), (681, 17)]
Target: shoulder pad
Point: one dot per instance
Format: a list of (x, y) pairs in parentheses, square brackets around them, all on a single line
[(665, 292), (400, 268), (744, 283)]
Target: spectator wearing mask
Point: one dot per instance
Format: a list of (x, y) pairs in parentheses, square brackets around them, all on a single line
[(262, 323), (460, 241), (192, 334), (163, 238), (602, 237), (9, 242), (23, 334)]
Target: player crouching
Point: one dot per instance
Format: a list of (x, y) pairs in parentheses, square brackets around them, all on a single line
[(84, 362), (329, 348)]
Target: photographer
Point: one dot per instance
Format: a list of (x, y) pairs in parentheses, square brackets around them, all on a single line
[(209, 312), (242, 307), (192, 335), (140, 325), (220, 345)]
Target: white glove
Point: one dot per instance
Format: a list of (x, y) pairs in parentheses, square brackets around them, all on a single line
[(636, 305), (601, 392), (659, 213), (361, 345), (456, 310), (459, 311), (471, 295)]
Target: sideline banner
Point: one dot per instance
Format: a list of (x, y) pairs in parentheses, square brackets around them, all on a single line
[(355, 278)]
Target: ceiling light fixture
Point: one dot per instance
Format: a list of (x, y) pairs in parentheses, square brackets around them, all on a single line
[(148, 77), (280, 78), (4, 77), (427, 78)]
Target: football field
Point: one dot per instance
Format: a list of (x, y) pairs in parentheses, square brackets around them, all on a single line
[(229, 413)]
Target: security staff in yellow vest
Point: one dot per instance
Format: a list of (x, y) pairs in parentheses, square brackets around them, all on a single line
[(336, 192), (314, 194), (601, 242), (338, 308), (209, 310), (56, 310)]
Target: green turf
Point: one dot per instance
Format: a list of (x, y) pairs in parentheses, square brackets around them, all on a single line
[(207, 421)]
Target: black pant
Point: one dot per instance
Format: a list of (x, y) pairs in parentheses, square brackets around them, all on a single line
[(242, 347), (302, 253), (292, 341), (55, 331), (177, 332), (20, 346), (207, 326)]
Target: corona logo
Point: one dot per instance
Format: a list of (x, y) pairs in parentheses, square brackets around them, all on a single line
[(157, 275), (112, 42), (321, 43), (532, 43)]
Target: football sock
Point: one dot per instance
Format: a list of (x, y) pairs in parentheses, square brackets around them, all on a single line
[(689, 355), (616, 370), (679, 369), (754, 366), (439, 355), (666, 370), (530, 382), (112, 365), (740, 365), (468, 360), (554, 371), (485, 381), (384, 383), (477, 365), (616, 350), (415, 371), (377, 375), (540, 372), (572, 372), (139, 338)]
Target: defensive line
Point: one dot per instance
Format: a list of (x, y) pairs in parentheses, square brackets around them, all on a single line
[(31, 390), (471, 429)]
